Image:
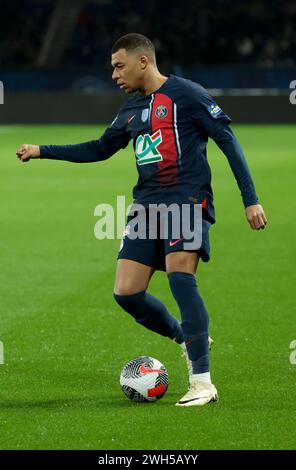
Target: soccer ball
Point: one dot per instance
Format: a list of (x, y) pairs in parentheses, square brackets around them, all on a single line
[(144, 379)]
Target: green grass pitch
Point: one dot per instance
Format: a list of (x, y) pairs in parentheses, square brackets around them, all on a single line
[(65, 340)]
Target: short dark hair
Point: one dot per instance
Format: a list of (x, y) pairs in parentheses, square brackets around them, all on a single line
[(133, 41)]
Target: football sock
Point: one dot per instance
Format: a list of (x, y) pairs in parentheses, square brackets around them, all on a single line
[(151, 313), (206, 377), (195, 319)]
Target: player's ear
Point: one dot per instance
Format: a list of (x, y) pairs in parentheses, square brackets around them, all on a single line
[(143, 62)]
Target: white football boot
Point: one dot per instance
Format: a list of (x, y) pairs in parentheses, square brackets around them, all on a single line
[(199, 394)]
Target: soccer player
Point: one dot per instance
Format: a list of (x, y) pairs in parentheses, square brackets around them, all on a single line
[(170, 120)]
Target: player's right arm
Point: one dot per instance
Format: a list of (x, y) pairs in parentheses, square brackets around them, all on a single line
[(114, 138)]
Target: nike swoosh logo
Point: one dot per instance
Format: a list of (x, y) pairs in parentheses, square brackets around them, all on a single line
[(131, 118), (213, 398), (175, 242), (143, 370)]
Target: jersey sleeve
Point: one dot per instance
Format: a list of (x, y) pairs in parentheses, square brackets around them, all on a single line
[(206, 113), (114, 138), (211, 120)]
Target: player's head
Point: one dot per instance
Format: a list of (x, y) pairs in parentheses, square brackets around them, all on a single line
[(132, 58)]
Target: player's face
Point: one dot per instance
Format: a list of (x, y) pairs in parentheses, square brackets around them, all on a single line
[(128, 70)]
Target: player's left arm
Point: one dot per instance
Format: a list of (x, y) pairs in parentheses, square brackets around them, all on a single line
[(214, 122), (228, 143)]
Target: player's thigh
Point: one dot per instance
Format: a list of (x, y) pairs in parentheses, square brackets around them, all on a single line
[(181, 261), (131, 277)]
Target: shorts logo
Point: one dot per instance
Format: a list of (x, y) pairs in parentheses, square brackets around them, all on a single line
[(173, 243), (161, 111), (125, 234), (146, 148), (126, 231)]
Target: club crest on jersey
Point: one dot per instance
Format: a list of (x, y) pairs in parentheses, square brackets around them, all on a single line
[(146, 148), (214, 110), (145, 114), (161, 111)]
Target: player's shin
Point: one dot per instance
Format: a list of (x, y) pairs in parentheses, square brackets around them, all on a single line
[(195, 322)]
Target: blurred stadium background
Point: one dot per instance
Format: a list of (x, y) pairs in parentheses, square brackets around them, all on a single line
[(244, 52), (65, 339)]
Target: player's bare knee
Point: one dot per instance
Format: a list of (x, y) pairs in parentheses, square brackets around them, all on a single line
[(181, 261), (180, 267), (126, 287)]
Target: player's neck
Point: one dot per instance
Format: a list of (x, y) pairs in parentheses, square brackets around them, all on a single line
[(153, 83)]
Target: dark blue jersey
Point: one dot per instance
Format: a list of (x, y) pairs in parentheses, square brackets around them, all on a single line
[(170, 130)]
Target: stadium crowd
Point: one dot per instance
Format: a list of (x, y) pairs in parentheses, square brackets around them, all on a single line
[(202, 32)]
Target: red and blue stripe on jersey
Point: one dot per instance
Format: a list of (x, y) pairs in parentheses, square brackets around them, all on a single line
[(168, 168)]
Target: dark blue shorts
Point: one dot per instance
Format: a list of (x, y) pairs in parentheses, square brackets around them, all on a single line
[(152, 252)]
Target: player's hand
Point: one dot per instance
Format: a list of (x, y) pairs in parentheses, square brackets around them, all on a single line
[(256, 217), (27, 151)]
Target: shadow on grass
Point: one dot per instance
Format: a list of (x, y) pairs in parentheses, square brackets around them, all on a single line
[(81, 403)]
